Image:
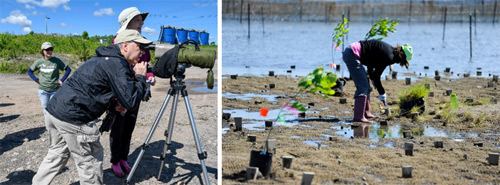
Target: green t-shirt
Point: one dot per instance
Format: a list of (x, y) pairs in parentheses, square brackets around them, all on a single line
[(48, 72)]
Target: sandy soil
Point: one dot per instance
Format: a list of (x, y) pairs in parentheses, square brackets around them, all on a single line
[(24, 139), (359, 160)]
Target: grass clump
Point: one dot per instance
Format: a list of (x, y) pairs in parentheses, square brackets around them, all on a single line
[(414, 92)]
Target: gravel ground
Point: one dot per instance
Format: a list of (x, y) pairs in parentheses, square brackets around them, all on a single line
[(24, 139)]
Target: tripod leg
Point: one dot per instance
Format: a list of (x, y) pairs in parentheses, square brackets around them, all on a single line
[(168, 133), (201, 155), (145, 145)]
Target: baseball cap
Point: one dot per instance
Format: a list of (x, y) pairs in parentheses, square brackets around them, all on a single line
[(46, 45), (127, 15), (131, 35)]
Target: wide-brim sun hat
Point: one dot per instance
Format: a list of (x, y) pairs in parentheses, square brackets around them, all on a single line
[(127, 15), (131, 35), (46, 45)]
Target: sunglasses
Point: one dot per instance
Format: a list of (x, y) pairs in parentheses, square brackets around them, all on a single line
[(49, 49)]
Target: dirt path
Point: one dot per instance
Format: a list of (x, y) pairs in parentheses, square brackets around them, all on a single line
[(24, 139)]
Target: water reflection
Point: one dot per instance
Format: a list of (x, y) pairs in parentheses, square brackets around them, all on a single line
[(377, 132)]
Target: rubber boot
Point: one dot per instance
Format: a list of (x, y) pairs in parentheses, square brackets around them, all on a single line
[(125, 166), (117, 170), (359, 110), (368, 114)]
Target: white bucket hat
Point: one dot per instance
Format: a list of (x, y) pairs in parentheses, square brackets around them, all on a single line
[(127, 15)]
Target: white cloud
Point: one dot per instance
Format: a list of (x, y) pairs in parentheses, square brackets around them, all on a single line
[(34, 13), (24, 1), (104, 11), (27, 29), (63, 24), (96, 4), (16, 17), (46, 3), (149, 31), (66, 7), (29, 7), (201, 4)]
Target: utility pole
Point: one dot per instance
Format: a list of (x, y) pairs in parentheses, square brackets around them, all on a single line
[(46, 24)]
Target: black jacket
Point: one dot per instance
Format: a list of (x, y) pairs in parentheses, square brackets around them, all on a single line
[(85, 96), (376, 56)]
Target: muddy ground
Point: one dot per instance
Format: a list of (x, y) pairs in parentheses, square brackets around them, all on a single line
[(358, 159), (24, 139)]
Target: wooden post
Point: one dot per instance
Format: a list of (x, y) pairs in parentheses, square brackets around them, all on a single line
[(349, 20), (241, 10), (300, 11), (470, 34), (494, 11), (327, 14), (342, 35), (307, 178), (409, 13), (475, 22), (262, 12), (287, 161), (407, 171), (444, 22), (373, 14), (248, 20)]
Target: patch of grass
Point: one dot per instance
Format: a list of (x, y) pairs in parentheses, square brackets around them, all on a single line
[(413, 92)]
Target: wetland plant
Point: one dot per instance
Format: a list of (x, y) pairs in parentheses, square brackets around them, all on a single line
[(411, 97), (382, 28), (319, 81)]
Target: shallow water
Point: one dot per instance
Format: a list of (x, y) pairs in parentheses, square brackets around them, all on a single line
[(374, 132), (248, 96), (308, 44)]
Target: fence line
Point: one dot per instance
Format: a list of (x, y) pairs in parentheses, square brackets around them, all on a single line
[(362, 10)]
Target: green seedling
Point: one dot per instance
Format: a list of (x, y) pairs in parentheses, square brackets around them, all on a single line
[(299, 106), (319, 81), (339, 32), (382, 28)]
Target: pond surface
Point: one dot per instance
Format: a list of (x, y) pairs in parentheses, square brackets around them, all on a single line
[(248, 96), (345, 129), (308, 45)]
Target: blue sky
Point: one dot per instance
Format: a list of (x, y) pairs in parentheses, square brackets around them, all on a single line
[(100, 17)]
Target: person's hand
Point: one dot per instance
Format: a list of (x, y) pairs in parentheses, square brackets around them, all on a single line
[(151, 80), (141, 68), (382, 97), (60, 83), (120, 109)]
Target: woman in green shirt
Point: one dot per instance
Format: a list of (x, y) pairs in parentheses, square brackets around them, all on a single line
[(48, 67)]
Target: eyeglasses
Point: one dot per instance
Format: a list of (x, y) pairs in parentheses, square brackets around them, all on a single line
[(142, 46), (49, 49)]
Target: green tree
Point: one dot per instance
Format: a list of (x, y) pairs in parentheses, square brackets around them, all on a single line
[(32, 32), (85, 35)]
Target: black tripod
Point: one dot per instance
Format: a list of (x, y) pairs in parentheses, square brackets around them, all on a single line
[(176, 87)]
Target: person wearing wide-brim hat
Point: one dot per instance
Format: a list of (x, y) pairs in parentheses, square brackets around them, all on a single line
[(376, 56), (48, 67), (124, 120)]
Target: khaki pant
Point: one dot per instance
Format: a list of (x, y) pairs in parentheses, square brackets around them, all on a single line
[(79, 141)]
